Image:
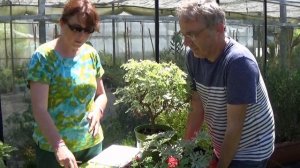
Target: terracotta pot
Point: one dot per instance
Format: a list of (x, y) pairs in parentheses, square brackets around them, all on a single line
[(285, 153)]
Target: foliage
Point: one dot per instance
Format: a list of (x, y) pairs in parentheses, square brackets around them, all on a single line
[(177, 49), (165, 150), (5, 80), (295, 49), (113, 73), (175, 120), (152, 89), (20, 74), (284, 91), (112, 77), (118, 128), (5, 150), (21, 125), (176, 52)]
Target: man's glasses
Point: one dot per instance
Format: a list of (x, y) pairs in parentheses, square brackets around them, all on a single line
[(78, 28), (193, 34)]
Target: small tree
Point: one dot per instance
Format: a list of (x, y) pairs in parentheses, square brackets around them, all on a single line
[(152, 89)]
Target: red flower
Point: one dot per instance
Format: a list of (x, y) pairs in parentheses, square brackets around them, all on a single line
[(138, 158), (173, 162)]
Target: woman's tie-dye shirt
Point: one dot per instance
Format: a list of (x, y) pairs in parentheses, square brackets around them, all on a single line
[(72, 88)]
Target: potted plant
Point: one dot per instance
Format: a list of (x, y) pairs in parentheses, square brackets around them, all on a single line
[(166, 150), (150, 90)]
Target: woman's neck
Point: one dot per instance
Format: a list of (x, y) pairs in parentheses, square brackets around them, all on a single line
[(64, 49)]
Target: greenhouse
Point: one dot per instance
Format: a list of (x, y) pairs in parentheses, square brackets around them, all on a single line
[(146, 30)]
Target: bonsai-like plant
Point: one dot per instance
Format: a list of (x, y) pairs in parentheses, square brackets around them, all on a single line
[(165, 150), (153, 88)]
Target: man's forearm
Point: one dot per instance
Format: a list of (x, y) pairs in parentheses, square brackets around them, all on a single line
[(193, 126), (229, 147), (235, 121), (195, 117)]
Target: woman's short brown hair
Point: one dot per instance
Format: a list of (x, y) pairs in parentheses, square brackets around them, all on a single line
[(84, 10)]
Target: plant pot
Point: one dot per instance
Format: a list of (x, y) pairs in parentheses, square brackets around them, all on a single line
[(142, 131), (285, 153), (2, 163)]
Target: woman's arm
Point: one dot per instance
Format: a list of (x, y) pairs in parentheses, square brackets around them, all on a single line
[(98, 113), (39, 99)]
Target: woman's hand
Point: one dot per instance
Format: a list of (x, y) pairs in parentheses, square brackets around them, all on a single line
[(94, 122), (65, 157)]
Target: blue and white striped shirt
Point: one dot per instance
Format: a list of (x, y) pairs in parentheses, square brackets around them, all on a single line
[(234, 78)]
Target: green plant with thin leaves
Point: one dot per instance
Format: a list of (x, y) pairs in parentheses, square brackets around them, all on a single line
[(152, 89), (5, 151), (176, 51)]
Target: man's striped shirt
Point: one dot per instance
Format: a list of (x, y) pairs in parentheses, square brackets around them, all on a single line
[(234, 78)]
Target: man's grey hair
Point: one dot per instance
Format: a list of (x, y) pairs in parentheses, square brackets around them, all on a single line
[(207, 11)]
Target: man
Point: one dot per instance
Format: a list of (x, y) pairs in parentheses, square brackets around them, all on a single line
[(229, 93)]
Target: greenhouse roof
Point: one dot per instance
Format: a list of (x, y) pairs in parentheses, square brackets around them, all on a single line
[(238, 9)]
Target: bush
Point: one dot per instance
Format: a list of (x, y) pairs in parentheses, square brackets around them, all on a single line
[(152, 89), (284, 91), (20, 134), (6, 80)]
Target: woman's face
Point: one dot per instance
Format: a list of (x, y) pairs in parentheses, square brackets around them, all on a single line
[(75, 32)]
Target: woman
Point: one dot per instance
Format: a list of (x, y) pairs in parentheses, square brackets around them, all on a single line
[(67, 92)]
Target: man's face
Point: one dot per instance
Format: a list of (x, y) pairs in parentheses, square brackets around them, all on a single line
[(197, 37)]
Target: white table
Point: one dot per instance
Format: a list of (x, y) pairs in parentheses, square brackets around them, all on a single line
[(115, 156)]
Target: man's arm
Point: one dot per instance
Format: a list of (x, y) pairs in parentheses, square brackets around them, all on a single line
[(235, 121), (195, 117)]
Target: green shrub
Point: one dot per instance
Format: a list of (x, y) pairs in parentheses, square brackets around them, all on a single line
[(6, 80), (20, 134), (152, 89), (284, 91)]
